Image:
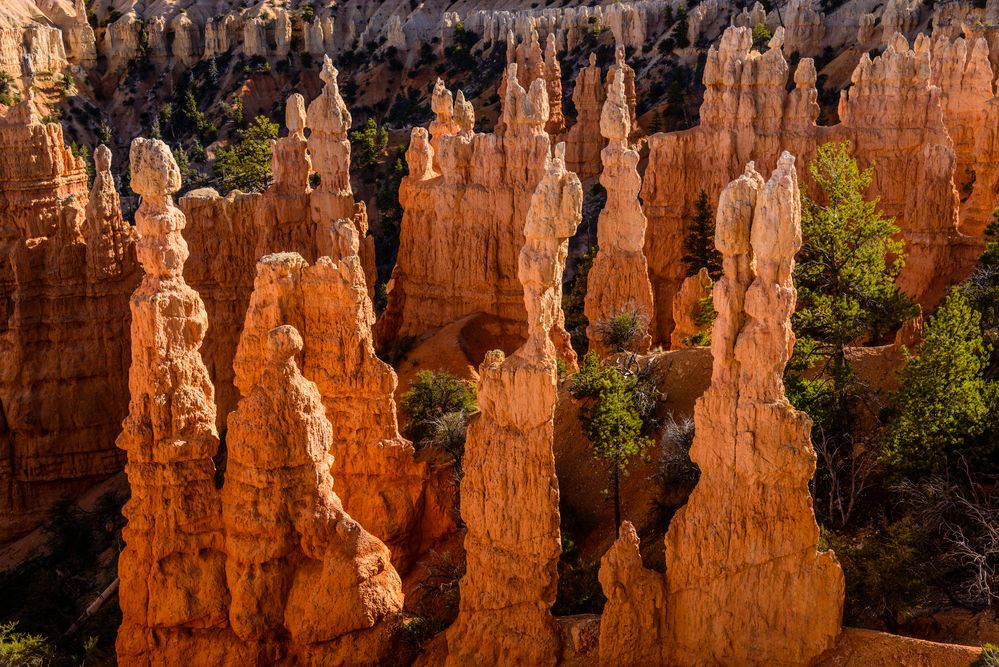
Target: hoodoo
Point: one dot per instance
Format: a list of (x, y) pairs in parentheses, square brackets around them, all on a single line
[(509, 495)]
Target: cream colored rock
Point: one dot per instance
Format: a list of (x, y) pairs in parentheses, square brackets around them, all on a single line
[(510, 492), (254, 38), (631, 99), (185, 51), (81, 43), (757, 591), (618, 281)]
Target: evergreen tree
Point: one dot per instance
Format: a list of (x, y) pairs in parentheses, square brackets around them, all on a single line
[(611, 417), (943, 403), (699, 244), (246, 165), (845, 277)]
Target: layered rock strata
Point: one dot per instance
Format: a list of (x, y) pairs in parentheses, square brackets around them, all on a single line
[(618, 281), (228, 235), (509, 491), (758, 591), (584, 142), (270, 569), (67, 268)]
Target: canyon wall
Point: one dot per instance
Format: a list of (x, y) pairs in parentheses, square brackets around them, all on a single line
[(462, 227), (67, 267), (509, 493), (892, 115)]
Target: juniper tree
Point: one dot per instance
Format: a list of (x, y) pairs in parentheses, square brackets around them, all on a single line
[(699, 244)]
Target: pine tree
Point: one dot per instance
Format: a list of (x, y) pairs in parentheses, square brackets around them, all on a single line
[(943, 403), (699, 244)]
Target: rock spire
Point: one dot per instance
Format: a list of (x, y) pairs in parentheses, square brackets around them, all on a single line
[(509, 492)]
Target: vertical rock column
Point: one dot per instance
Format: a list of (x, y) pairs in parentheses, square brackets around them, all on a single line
[(619, 279), (172, 579), (746, 583), (583, 141), (509, 492), (330, 121)]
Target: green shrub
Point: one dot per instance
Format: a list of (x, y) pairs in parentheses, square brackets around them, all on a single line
[(623, 331), (611, 417), (989, 656), (431, 397), (19, 649)]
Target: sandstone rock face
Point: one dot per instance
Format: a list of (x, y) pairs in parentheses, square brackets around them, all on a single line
[(173, 593), (553, 82), (31, 191), (757, 591), (687, 309), (631, 626), (228, 235), (109, 238), (891, 114), (30, 46), (618, 280), (270, 570), (121, 41), (462, 228), (804, 28), (630, 97), (509, 491), (962, 72), (329, 146), (81, 43), (378, 480), (583, 142), (300, 571), (65, 277)]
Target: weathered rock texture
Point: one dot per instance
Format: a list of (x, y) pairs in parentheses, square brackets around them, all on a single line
[(173, 592), (631, 627), (509, 494), (65, 277), (31, 191), (618, 281), (584, 142), (305, 579), (891, 114), (746, 584), (271, 569), (462, 228), (228, 235), (378, 480), (687, 309)]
